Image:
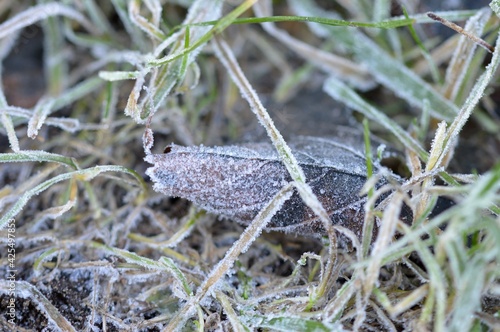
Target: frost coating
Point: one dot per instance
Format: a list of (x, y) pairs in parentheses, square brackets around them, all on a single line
[(237, 181)]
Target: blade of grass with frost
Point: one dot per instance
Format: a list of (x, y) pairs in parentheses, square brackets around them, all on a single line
[(404, 304), (472, 100), (156, 10), (25, 290), (193, 216), (11, 131), (184, 63), (384, 68), (225, 55), (333, 310), (69, 124), (236, 324), (57, 211), (169, 265), (341, 92), (385, 234), (112, 76), (469, 276), (437, 284), (109, 104), (41, 12), (40, 156), (369, 218), (40, 113), (133, 58), (47, 255), (84, 175), (462, 56), (151, 29), (241, 245), (88, 41)]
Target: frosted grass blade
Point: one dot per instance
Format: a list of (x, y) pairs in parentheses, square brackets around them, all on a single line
[(224, 265), (39, 156), (462, 56)]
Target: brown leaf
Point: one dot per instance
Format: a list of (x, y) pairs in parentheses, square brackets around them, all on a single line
[(237, 181)]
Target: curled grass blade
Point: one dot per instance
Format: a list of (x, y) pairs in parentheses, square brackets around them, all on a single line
[(40, 113)]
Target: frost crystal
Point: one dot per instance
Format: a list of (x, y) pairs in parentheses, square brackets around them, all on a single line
[(237, 181)]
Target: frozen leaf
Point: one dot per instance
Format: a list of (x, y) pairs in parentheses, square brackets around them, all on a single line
[(237, 181)]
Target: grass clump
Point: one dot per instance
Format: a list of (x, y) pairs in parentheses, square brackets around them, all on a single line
[(114, 77)]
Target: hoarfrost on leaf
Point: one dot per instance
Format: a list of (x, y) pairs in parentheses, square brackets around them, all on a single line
[(237, 181)]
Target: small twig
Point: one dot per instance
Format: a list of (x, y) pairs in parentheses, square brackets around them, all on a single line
[(460, 30)]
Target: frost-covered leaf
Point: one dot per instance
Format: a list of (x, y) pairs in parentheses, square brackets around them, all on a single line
[(237, 181)]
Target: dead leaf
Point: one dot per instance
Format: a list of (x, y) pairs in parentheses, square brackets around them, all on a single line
[(237, 181)]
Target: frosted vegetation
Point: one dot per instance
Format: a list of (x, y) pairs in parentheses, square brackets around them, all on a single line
[(238, 181), (101, 242)]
